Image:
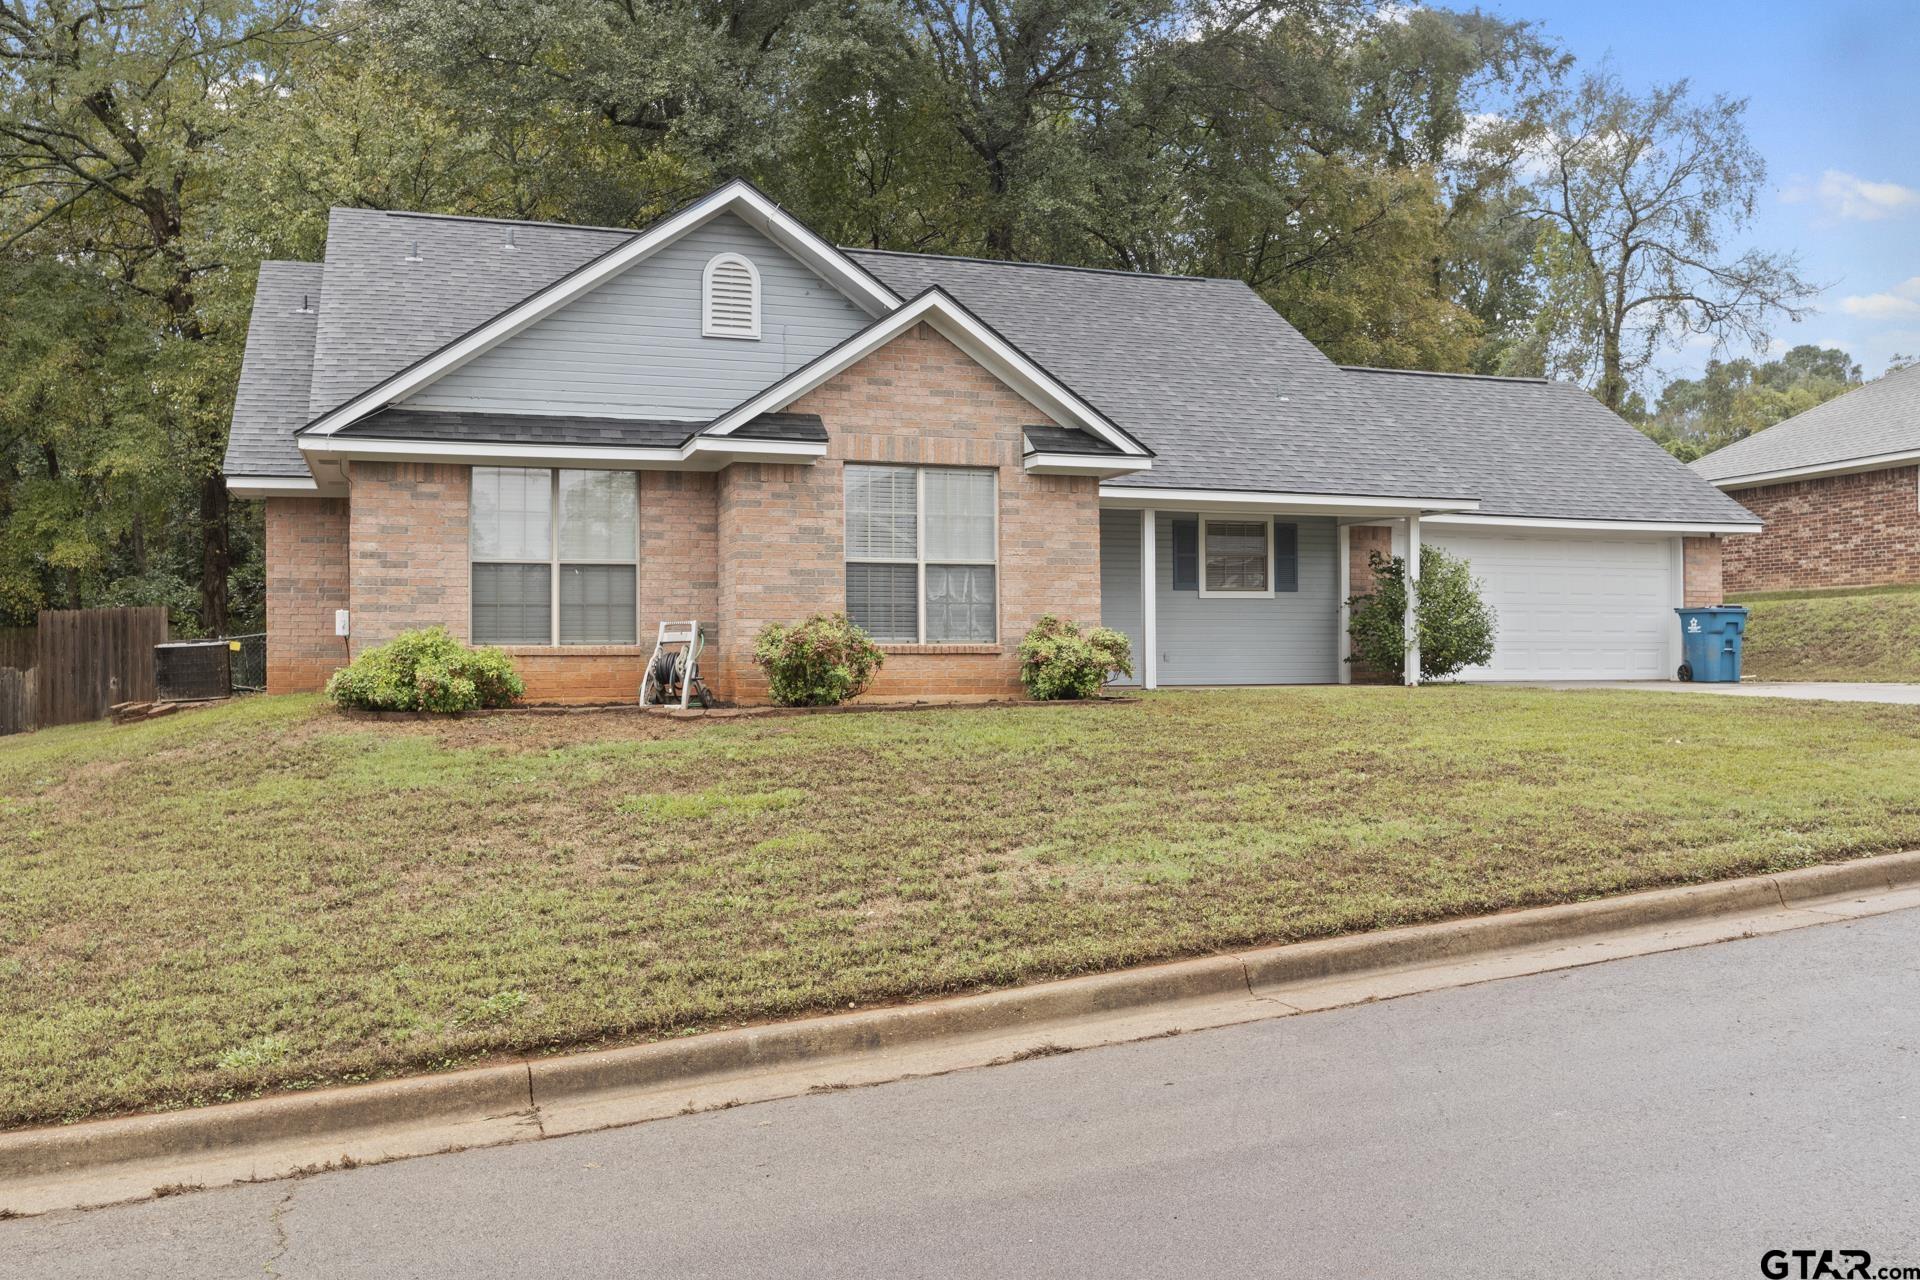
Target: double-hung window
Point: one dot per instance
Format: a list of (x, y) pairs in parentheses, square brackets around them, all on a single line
[(921, 554), (1236, 557), (555, 553)]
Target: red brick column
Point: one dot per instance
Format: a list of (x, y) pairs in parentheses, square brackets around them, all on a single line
[(1701, 561), (306, 582)]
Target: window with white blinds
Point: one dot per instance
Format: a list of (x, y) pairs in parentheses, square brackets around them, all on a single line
[(730, 298), (554, 553), (922, 552)]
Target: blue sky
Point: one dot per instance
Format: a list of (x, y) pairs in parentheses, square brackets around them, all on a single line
[(1832, 92)]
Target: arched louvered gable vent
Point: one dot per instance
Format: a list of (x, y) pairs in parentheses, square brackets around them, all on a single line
[(730, 298)]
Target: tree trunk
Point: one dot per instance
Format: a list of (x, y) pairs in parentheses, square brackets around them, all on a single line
[(1613, 379), (216, 554)]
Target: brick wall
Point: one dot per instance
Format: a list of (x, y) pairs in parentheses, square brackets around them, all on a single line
[(919, 400), (1861, 530), (1701, 560), (1363, 539), (306, 582), (408, 551)]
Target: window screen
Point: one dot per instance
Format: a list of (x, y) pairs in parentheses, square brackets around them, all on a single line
[(1236, 555), (532, 529), (512, 603), (921, 546), (960, 604), (597, 604), (880, 600)]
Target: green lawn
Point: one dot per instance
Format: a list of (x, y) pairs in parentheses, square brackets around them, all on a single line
[(1833, 635), (264, 894)]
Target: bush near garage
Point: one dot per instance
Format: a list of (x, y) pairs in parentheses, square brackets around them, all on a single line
[(1456, 625)]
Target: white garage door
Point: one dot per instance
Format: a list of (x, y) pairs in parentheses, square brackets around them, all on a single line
[(1572, 608)]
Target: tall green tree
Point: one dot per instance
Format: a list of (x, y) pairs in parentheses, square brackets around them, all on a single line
[(1732, 399), (111, 120), (1642, 194)]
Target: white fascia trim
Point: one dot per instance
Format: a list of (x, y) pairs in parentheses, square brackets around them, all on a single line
[(978, 341), (1242, 499), (736, 197), (272, 486), (1080, 464), (696, 454), (1847, 467), (1597, 526)]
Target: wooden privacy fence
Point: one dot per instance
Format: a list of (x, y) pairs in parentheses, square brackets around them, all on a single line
[(19, 647), (17, 711), (85, 660)]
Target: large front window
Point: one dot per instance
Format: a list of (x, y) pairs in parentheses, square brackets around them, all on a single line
[(554, 553), (1238, 558), (921, 550)]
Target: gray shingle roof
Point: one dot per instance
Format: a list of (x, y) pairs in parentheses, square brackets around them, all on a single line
[(272, 400), (1051, 437), (399, 423), (1537, 448), (1226, 393), (1880, 418)]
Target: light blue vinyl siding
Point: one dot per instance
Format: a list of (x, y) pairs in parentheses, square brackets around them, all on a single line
[(1120, 578), (1288, 639), (633, 348)]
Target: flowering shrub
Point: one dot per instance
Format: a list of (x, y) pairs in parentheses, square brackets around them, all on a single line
[(426, 670), (1057, 661), (822, 662)]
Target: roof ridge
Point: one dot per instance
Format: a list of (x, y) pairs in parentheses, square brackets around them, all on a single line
[(1437, 373), (502, 222), (1045, 266)]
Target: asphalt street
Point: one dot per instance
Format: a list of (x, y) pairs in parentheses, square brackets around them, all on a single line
[(1672, 1115)]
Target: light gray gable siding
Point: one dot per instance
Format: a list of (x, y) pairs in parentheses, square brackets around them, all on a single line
[(633, 346), (1288, 639)]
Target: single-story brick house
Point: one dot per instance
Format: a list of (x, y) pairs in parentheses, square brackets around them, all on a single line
[(551, 437), (1838, 487)]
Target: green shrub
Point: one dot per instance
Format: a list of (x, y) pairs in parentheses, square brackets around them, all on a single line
[(822, 662), (426, 670), (1057, 661), (1456, 625)]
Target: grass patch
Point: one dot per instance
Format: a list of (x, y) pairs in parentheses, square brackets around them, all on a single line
[(1871, 635), (264, 895)]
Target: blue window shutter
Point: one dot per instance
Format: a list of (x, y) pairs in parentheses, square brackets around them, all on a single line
[(1186, 553), (1286, 557)]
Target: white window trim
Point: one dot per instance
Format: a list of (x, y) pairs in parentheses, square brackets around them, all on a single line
[(919, 559), (553, 563), (1206, 526), (714, 264)]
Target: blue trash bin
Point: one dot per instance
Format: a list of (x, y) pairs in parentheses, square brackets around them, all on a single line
[(1711, 640)]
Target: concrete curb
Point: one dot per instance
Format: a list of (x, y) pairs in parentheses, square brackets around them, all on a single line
[(519, 1090)]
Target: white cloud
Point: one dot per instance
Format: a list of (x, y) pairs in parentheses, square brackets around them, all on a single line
[(1899, 302), (1849, 196)]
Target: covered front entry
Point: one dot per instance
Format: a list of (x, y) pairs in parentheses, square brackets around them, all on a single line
[(1276, 624), (1572, 606)]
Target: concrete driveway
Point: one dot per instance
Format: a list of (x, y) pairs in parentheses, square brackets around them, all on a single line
[(1807, 690)]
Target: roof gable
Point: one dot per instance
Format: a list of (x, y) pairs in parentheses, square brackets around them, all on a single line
[(934, 308), (634, 347), (737, 197), (1880, 421)]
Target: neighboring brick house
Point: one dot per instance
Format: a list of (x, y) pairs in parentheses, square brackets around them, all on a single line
[(552, 438), (1838, 487)]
